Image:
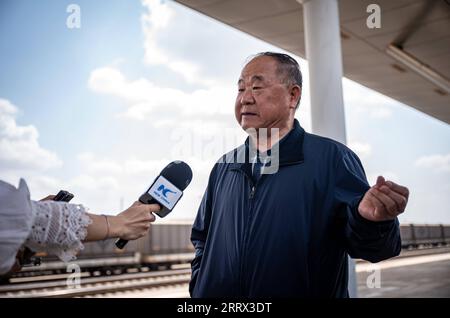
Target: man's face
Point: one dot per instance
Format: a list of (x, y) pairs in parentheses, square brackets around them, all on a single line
[(263, 101)]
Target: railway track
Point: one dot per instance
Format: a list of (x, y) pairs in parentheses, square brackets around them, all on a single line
[(97, 285), (55, 286)]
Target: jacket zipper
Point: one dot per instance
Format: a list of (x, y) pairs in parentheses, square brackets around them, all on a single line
[(252, 192), (246, 230)]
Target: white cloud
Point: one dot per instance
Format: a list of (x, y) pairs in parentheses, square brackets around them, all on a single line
[(367, 103), (108, 174), (98, 166), (19, 146), (153, 23), (157, 19), (95, 166), (135, 166), (6, 108), (46, 183), (90, 183), (437, 162), (146, 99), (363, 150)]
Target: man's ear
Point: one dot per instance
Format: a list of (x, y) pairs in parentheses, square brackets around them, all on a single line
[(296, 93)]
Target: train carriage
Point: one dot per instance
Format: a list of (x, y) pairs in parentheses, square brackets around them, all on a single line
[(168, 244)]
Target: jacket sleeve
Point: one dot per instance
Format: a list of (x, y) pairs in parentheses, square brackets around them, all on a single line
[(200, 230), (368, 240)]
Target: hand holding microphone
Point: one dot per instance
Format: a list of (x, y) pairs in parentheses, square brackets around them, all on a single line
[(134, 222), (165, 192)]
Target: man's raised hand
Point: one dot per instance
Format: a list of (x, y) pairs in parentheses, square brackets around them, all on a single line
[(384, 201)]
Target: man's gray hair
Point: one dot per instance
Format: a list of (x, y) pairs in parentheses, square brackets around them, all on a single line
[(288, 68)]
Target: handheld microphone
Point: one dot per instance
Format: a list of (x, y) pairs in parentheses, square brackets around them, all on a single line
[(166, 190)]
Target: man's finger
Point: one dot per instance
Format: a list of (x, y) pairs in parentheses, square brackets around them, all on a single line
[(379, 206), (380, 212), (398, 188), (380, 182), (399, 199), (389, 204)]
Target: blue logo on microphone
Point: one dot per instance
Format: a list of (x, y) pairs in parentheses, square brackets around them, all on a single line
[(164, 190)]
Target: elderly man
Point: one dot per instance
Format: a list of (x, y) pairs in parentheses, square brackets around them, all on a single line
[(288, 234)]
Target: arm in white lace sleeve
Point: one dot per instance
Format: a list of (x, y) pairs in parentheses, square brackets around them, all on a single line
[(15, 221), (58, 228)]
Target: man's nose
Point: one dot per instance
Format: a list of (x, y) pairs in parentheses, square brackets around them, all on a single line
[(247, 97)]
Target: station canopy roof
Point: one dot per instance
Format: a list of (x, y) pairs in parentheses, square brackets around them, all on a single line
[(419, 29)]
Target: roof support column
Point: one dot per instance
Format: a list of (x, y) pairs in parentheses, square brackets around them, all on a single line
[(324, 55), (323, 52)]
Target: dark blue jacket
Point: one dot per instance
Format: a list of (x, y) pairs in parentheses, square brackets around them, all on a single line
[(290, 237)]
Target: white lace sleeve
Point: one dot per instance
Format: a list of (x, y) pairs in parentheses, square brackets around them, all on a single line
[(15, 221), (58, 228)]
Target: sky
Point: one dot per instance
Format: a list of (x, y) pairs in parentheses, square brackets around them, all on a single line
[(100, 110)]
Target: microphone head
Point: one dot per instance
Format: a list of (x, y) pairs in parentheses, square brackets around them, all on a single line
[(178, 173)]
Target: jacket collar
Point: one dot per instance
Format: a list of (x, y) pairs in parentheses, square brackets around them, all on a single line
[(290, 149)]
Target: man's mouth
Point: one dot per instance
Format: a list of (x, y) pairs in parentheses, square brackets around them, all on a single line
[(249, 114)]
